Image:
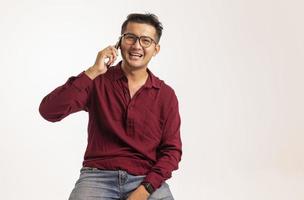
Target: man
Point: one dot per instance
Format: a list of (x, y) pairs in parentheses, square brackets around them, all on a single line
[(134, 124)]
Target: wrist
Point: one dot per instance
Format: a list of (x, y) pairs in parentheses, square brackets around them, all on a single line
[(148, 186), (92, 72)]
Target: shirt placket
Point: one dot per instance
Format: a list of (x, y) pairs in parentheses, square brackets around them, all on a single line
[(130, 105)]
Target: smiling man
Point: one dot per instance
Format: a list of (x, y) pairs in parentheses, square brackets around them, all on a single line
[(134, 139)]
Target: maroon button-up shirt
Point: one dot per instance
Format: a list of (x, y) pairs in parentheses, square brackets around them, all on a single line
[(140, 134)]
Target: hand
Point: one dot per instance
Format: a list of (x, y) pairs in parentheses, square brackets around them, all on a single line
[(100, 67), (139, 194)]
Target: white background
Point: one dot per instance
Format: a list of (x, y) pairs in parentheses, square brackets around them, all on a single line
[(237, 69)]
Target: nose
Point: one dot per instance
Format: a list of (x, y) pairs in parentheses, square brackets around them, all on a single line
[(137, 44)]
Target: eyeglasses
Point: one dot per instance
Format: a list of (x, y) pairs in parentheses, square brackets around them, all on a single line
[(144, 41)]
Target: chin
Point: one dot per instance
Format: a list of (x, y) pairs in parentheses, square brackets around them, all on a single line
[(136, 64)]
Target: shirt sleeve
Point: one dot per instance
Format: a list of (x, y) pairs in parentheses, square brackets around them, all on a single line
[(71, 97), (170, 149)]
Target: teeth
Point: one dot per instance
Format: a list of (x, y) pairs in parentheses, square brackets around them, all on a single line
[(135, 54)]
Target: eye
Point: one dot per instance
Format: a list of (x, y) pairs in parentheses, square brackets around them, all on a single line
[(130, 37), (146, 40)]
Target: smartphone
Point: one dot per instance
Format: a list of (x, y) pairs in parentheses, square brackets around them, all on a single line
[(117, 45)]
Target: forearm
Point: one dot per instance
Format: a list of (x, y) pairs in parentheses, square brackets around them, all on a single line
[(66, 99), (170, 149), (165, 165)]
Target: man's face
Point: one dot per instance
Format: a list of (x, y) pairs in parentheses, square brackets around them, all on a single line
[(134, 55)]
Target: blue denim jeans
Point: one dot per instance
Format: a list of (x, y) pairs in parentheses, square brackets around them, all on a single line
[(96, 184)]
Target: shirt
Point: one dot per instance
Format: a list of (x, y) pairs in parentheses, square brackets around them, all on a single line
[(140, 135)]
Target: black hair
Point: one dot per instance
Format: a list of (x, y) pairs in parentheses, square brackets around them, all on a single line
[(147, 18)]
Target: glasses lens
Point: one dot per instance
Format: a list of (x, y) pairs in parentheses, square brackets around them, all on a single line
[(130, 39), (145, 41)]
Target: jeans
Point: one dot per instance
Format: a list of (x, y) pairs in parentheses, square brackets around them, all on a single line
[(97, 184)]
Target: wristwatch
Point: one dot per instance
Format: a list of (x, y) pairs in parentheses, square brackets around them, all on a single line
[(148, 187)]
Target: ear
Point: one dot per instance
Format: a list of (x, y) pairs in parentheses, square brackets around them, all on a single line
[(156, 50)]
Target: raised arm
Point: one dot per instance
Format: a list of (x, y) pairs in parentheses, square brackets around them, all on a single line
[(74, 95)]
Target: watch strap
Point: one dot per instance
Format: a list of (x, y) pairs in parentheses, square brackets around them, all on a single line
[(148, 187)]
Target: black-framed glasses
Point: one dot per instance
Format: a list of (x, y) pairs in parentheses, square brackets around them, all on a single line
[(144, 41)]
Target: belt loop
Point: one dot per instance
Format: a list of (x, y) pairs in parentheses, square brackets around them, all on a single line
[(122, 177)]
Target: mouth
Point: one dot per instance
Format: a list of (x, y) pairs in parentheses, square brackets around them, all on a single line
[(135, 55)]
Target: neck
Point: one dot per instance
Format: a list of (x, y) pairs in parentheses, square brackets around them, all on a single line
[(134, 74)]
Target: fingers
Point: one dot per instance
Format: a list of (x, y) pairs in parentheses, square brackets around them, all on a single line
[(114, 49), (111, 53), (111, 60)]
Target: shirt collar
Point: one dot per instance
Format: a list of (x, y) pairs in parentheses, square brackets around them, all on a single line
[(152, 80)]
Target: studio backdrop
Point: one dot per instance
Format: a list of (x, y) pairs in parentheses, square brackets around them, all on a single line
[(237, 69)]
